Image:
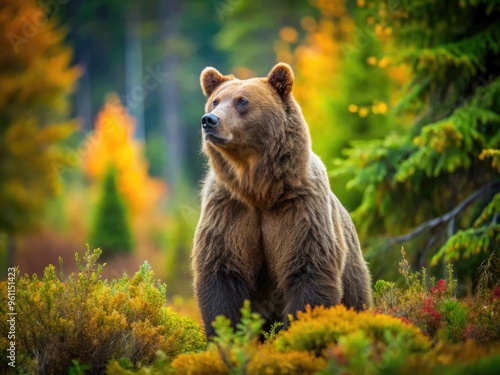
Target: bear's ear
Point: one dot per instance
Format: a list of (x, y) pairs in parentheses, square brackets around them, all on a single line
[(281, 78), (210, 79)]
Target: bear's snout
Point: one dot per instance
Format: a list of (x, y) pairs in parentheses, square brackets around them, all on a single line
[(209, 121)]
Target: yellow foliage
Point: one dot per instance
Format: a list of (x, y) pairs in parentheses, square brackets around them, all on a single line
[(36, 81), (439, 137), (206, 363), (382, 107), (317, 61), (113, 144), (308, 23), (33, 59), (270, 361), (353, 108), (317, 328), (81, 317), (494, 155), (289, 34), (265, 360), (363, 112)]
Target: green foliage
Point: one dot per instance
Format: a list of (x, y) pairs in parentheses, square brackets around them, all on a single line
[(234, 345), (356, 108), (437, 168), (111, 229), (176, 237), (270, 336), (238, 30), (455, 316), (78, 369), (76, 320)]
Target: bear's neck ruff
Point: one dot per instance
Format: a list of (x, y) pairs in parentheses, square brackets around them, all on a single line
[(264, 179)]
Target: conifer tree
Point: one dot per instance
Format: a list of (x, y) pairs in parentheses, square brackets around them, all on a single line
[(435, 187), (35, 82), (111, 230), (113, 144)]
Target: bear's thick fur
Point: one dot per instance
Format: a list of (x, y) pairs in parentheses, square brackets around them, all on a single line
[(270, 230)]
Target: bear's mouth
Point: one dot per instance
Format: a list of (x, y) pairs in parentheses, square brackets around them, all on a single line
[(210, 137)]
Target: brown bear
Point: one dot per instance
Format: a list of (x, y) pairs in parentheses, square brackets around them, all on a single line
[(270, 230)]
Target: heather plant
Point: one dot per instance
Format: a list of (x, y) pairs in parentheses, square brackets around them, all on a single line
[(432, 305), (81, 320)]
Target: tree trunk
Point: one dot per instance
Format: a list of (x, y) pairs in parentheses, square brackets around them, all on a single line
[(135, 90), (83, 102), (169, 93)]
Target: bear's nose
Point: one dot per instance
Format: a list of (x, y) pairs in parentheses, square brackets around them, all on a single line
[(209, 120)]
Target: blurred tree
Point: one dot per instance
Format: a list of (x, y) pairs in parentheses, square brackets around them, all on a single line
[(99, 50), (112, 143), (153, 61), (249, 30), (435, 182), (341, 91), (35, 81), (111, 229)]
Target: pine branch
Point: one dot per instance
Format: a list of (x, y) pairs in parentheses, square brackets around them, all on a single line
[(492, 186)]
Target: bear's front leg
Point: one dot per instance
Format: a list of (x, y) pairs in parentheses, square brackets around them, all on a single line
[(308, 286), (306, 257), (220, 293), (226, 256)]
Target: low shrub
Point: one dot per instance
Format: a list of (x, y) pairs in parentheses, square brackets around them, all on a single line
[(432, 307), (92, 321), (82, 324), (333, 340)]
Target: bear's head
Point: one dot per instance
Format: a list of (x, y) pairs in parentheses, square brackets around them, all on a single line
[(243, 116), (254, 134)]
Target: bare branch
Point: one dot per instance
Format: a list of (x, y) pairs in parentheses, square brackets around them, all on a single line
[(492, 186)]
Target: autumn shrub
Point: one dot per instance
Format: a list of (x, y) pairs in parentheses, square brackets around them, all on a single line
[(234, 347), (83, 324), (463, 359), (83, 318), (317, 337), (328, 341), (432, 307), (483, 320)]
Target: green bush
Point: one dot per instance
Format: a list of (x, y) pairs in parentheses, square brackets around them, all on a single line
[(85, 319)]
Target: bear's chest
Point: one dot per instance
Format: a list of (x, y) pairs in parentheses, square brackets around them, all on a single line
[(276, 235)]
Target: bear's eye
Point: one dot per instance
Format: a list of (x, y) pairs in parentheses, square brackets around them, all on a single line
[(242, 102), (215, 102)]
